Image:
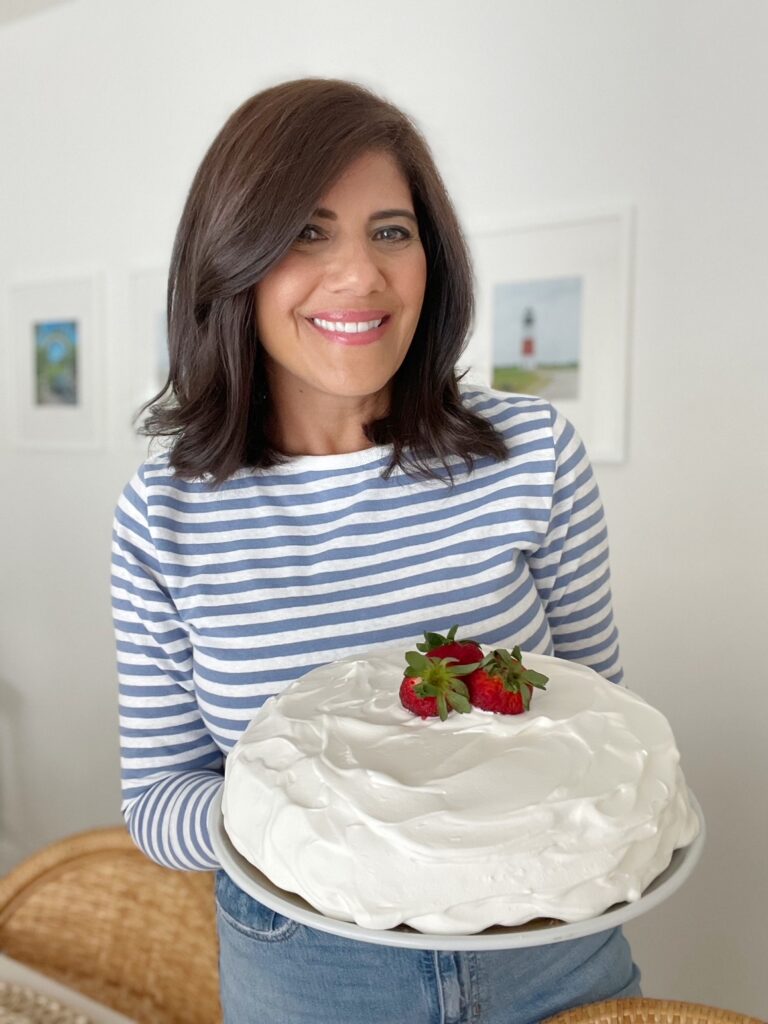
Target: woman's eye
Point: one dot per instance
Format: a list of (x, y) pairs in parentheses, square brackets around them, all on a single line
[(309, 233), (393, 234)]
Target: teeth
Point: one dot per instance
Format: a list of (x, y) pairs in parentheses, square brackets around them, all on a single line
[(355, 327)]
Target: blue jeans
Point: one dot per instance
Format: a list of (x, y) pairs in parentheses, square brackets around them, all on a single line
[(276, 971)]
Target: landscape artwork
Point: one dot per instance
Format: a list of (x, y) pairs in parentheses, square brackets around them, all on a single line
[(537, 327), (56, 364)]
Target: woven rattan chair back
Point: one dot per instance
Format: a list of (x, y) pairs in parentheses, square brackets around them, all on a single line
[(649, 1011), (95, 913)]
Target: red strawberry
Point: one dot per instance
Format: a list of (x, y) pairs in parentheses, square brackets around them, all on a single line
[(503, 684), (433, 686), (438, 646)]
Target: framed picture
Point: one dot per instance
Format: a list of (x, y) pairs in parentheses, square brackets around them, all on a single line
[(149, 329), (12, 812), (552, 319), (148, 344), (56, 353)]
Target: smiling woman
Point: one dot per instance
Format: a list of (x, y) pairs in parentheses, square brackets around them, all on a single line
[(317, 204), (337, 315), (331, 487)]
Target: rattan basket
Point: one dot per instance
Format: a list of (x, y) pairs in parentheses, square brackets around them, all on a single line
[(94, 913), (649, 1011)]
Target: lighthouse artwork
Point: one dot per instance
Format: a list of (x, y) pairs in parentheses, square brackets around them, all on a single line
[(537, 336), (528, 341)]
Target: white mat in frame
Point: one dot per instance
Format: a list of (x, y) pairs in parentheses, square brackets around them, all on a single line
[(595, 247), (56, 321)]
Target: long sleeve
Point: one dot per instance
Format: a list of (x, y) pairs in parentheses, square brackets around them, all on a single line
[(321, 558), (571, 567), (171, 768)]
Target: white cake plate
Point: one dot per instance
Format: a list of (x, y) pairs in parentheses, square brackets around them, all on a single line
[(537, 933)]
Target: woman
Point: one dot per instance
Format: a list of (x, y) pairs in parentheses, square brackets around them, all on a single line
[(328, 487)]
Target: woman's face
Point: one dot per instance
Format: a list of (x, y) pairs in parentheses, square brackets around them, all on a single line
[(337, 314)]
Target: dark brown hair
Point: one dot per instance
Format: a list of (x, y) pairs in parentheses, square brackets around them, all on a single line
[(254, 191)]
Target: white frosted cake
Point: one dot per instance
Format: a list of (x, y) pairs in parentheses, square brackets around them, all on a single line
[(339, 794)]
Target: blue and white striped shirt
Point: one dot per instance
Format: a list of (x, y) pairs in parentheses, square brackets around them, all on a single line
[(222, 596)]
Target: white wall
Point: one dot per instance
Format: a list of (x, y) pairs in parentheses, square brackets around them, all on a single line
[(531, 105)]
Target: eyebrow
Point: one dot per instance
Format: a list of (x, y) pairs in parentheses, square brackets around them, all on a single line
[(379, 215)]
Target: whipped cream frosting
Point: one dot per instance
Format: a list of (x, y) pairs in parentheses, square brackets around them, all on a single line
[(373, 815)]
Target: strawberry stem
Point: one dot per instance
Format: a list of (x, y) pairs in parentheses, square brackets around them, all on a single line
[(440, 678)]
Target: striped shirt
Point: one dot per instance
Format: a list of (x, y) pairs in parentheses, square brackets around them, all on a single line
[(224, 595)]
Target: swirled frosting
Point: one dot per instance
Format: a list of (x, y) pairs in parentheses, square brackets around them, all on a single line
[(337, 793)]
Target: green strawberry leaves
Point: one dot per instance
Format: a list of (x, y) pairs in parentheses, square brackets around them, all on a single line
[(424, 689), (440, 678), (432, 640), (459, 702), (514, 677), (436, 669), (535, 678)]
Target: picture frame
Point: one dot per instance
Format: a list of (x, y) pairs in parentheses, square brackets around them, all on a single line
[(56, 380), (11, 803), (148, 343), (552, 318)]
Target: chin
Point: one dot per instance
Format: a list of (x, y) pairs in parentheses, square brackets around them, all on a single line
[(361, 390)]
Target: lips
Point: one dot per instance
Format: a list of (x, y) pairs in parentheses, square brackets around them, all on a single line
[(346, 316), (350, 327)]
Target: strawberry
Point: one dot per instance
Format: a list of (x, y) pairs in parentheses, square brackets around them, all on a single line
[(433, 686), (503, 684), (438, 646)]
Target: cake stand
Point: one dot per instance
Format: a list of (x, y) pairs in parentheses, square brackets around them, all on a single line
[(536, 933)]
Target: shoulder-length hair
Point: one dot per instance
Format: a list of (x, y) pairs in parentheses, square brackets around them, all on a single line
[(254, 191)]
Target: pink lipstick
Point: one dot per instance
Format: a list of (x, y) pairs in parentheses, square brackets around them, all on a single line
[(350, 326)]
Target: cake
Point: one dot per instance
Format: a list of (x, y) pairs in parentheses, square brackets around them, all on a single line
[(339, 794)]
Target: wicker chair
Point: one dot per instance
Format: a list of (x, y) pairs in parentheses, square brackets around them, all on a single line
[(649, 1011), (96, 914)]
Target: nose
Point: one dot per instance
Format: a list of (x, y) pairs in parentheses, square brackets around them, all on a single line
[(355, 268)]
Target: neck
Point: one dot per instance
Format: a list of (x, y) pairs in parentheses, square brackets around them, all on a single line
[(323, 424)]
